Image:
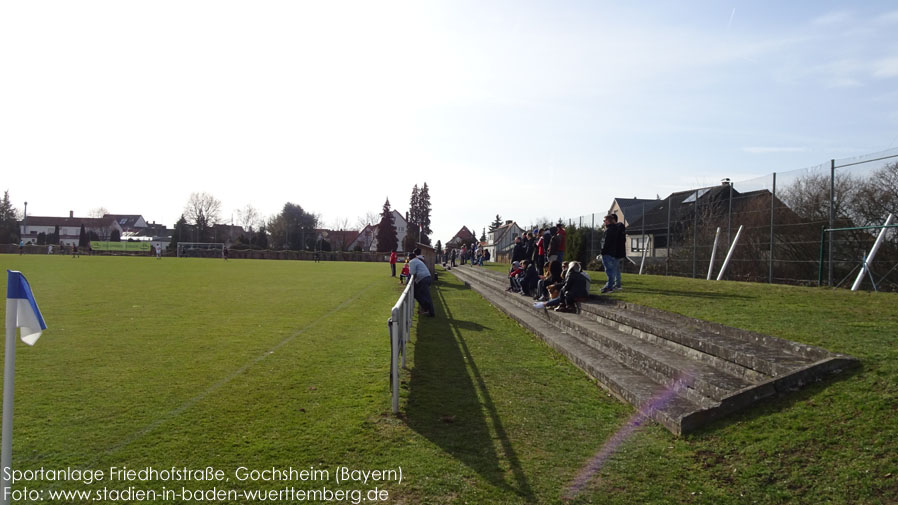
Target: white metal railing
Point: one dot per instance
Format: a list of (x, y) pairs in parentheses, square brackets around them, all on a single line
[(400, 324)]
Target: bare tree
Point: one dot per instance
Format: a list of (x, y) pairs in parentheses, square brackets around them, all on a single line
[(202, 210), (248, 217), (97, 212), (368, 219)]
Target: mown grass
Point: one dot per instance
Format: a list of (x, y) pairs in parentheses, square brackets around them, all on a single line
[(276, 363), (832, 442)]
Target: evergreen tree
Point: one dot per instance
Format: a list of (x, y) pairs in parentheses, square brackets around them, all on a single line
[(180, 228), (260, 238), (496, 223), (424, 214), (83, 239), (9, 227), (413, 206), (386, 230), (115, 236), (483, 235), (439, 247)]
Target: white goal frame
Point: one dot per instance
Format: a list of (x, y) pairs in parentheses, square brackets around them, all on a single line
[(201, 246)]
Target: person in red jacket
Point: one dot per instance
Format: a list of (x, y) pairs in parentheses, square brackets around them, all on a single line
[(393, 262)]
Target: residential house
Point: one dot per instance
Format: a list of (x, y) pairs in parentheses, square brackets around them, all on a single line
[(131, 224), (69, 228), (367, 238), (500, 241), (628, 210), (673, 219), (463, 237)]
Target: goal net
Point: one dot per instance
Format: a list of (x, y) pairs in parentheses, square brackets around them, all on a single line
[(200, 250)]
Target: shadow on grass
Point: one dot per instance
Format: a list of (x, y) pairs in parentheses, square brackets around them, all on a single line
[(450, 405)]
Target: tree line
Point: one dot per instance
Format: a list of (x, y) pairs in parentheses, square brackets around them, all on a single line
[(293, 228)]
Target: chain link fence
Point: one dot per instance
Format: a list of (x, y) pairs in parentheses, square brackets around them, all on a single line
[(813, 226)]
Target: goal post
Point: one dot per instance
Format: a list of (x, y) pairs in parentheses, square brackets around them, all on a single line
[(200, 250)]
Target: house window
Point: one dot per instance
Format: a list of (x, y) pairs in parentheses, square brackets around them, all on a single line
[(636, 244)]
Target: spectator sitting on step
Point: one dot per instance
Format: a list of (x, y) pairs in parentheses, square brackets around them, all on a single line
[(552, 277), (514, 283), (529, 278), (575, 289)]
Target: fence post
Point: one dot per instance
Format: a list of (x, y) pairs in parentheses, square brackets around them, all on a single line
[(832, 198), (694, 234), (592, 237), (395, 323), (822, 248), (669, 238), (730, 213), (643, 233), (772, 200)]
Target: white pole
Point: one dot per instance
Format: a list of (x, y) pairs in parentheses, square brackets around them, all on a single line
[(8, 389), (860, 275), (713, 253), (729, 254), (645, 247)]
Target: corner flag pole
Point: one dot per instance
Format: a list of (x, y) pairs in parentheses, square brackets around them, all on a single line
[(9, 364), (21, 312)]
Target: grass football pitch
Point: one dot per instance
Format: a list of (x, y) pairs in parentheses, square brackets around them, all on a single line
[(243, 367)]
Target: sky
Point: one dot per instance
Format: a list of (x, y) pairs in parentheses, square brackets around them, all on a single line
[(528, 110)]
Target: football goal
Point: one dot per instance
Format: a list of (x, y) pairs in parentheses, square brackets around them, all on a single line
[(200, 250)]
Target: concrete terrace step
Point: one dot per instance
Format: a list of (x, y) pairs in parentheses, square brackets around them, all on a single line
[(637, 352), (708, 385), (624, 382), (751, 355)]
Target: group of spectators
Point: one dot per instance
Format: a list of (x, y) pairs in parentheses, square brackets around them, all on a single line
[(539, 270), (562, 285), (538, 267), (464, 254)]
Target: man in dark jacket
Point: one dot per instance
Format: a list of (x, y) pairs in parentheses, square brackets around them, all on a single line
[(517, 252), (613, 250)]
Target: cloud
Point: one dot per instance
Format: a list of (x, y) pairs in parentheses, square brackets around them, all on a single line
[(886, 68), (832, 18), (888, 18), (771, 150)]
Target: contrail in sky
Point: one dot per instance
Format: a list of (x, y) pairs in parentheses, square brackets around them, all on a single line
[(732, 15)]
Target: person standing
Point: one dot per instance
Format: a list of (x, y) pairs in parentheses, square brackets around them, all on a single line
[(393, 262), (610, 248), (620, 251), (517, 252), (420, 272), (562, 241)]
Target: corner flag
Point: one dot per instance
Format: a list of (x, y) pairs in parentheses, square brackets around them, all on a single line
[(21, 312), (20, 299)]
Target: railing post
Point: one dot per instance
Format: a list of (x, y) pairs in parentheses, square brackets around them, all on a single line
[(395, 323)]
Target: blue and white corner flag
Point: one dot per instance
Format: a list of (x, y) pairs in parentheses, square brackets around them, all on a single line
[(20, 299)]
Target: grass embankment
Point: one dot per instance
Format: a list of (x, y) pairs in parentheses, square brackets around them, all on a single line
[(279, 363), (832, 442)]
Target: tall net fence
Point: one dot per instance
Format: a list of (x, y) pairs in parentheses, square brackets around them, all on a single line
[(813, 226)]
